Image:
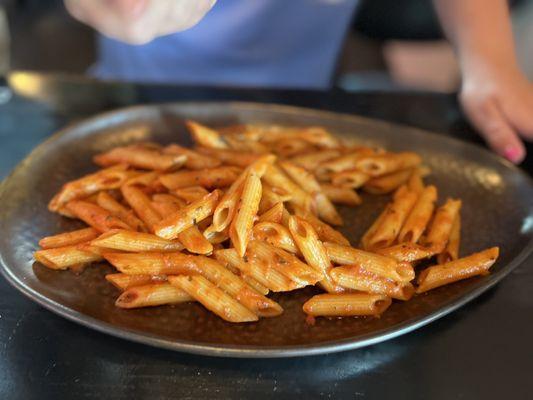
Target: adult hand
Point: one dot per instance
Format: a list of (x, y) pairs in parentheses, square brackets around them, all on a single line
[(139, 21), (499, 102)]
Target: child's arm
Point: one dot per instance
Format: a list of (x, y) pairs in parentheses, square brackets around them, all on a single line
[(495, 94)]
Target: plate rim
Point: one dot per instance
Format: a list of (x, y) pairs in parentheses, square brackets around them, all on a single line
[(251, 351)]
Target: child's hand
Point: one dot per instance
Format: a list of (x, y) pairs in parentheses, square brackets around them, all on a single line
[(139, 21), (499, 102)]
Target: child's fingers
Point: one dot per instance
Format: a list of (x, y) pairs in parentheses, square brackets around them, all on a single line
[(493, 125), (519, 112)]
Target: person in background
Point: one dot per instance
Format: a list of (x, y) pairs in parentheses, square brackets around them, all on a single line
[(278, 43)]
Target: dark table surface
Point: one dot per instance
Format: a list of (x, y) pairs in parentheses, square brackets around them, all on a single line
[(483, 350)]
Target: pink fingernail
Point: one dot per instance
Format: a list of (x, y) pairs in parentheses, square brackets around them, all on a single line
[(513, 154)]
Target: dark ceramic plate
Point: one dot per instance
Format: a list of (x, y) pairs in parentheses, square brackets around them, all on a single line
[(498, 210)]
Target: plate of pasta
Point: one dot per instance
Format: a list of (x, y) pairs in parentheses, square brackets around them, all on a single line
[(256, 230)]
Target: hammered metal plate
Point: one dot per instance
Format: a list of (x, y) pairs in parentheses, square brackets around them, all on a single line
[(497, 210)]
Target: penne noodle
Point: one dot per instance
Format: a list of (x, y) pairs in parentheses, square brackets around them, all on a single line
[(171, 226), (356, 278), (151, 263), (276, 178), (66, 257), (236, 287), (241, 227), (194, 159), (140, 157), (208, 177), (231, 157), (311, 161), (131, 241), (191, 238), (274, 214), (276, 235), (341, 195), (382, 164), (407, 252), (415, 182), (107, 202), (441, 227), (349, 179), (313, 251), (451, 251), (388, 183), (393, 220), (325, 232), (212, 298), (365, 240), (229, 260), (163, 203), (68, 238), (346, 305), (462, 268), (259, 269), (190, 194), (345, 162), (290, 147), (106, 179), (306, 180), (155, 294), (142, 205), (417, 221), (123, 281), (246, 146), (284, 262), (272, 196), (95, 216), (145, 179), (204, 136), (377, 264)]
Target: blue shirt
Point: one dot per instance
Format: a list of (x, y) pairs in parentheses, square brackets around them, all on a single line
[(268, 43)]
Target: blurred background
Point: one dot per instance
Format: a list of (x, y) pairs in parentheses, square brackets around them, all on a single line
[(383, 51)]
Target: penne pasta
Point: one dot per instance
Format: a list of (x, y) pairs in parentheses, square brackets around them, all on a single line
[(212, 298), (388, 183), (382, 164), (407, 252), (341, 195), (171, 226), (346, 305), (274, 214), (313, 251), (208, 177), (415, 182), (284, 262), (66, 257), (155, 294), (95, 216), (356, 278), (377, 264), (325, 232), (140, 157), (107, 202), (276, 178), (69, 238), (124, 240), (311, 161), (419, 217), (142, 205), (204, 136), (276, 235), (241, 227), (194, 159), (441, 227), (345, 162), (123, 281), (231, 157), (259, 269), (349, 179), (462, 268), (306, 180), (393, 219), (190, 194), (451, 251), (106, 179)]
